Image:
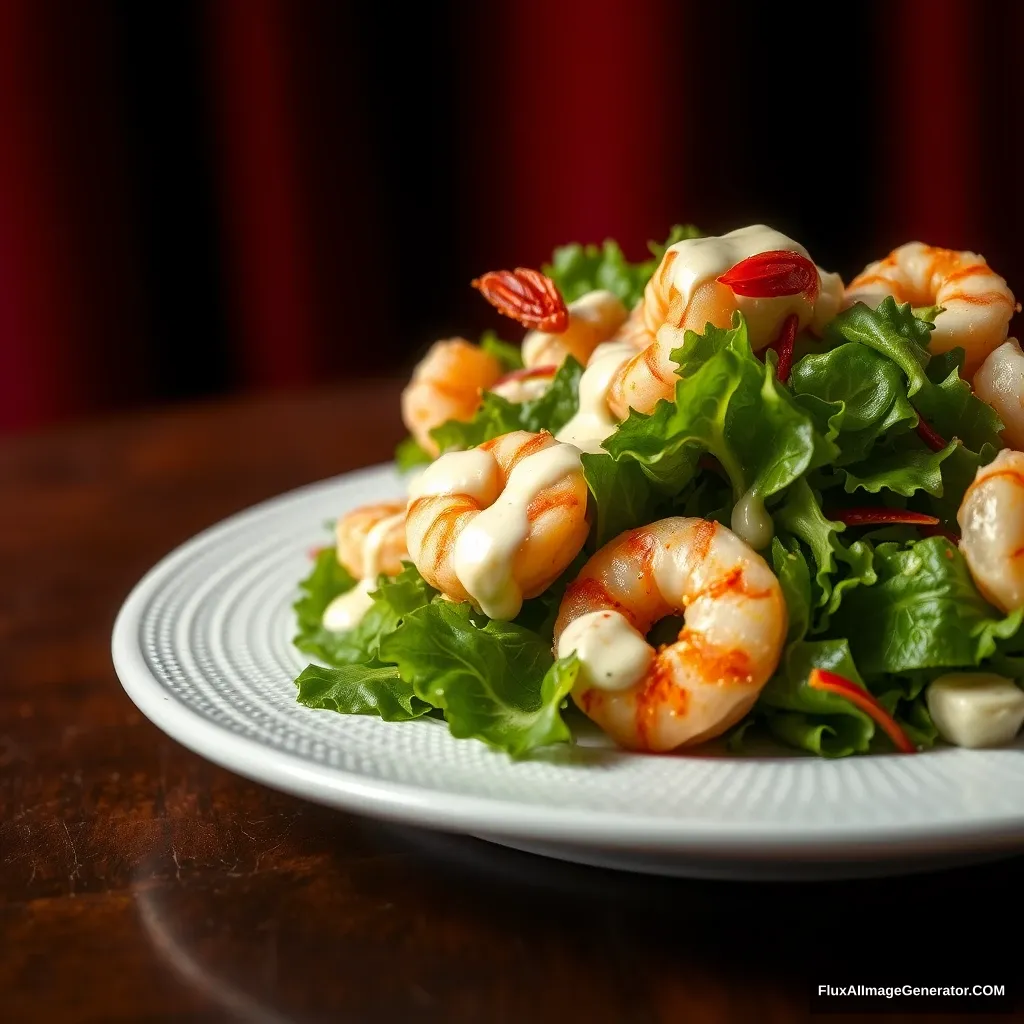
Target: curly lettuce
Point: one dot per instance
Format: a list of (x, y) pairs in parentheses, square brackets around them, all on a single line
[(855, 425), (577, 269)]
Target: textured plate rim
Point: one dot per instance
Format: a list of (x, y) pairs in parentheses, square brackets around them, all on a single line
[(411, 805)]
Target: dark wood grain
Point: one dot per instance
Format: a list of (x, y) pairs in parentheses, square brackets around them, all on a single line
[(140, 883)]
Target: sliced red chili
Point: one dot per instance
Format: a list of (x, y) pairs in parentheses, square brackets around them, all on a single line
[(784, 346), (820, 679), (879, 517), (769, 275), (929, 435), (526, 296)]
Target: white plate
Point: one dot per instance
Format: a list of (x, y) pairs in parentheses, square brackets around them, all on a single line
[(203, 647)]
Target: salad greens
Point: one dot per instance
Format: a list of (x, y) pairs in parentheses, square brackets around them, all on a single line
[(867, 417)]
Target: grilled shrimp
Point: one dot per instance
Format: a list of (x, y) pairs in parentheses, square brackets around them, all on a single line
[(1000, 382), (369, 541), (499, 523), (991, 519), (694, 689), (593, 319), (768, 277), (976, 301), (447, 385)]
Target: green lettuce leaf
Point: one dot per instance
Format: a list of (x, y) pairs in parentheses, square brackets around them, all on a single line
[(327, 580), (863, 396), (791, 568), (392, 600), (497, 683), (839, 567), (958, 472), (496, 415), (731, 407), (623, 496), (819, 722), (905, 471), (371, 689), (577, 269), (891, 330), (923, 612), (953, 410), (510, 356), (409, 455)]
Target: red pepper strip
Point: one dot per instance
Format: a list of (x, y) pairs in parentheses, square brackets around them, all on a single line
[(784, 346), (927, 433), (527, 296), (536, 371), (769, 275), (879, 517), (819, 679)]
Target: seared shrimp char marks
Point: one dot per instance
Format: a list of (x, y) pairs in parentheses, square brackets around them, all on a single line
[(369, 541), (977, 304), (593, 319), (690, 691), (498, 524), (991, 519), (691, 289), (447, 385)]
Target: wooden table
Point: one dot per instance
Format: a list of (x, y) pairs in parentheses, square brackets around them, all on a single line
[(140, 883)]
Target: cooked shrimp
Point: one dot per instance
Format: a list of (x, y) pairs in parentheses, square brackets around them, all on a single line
[(499, 523), (991, 519), (687, 292), (1000, 382), (976, 301), (593, 319), (369, 541), (446, 385), (363, 549), (694, 689)]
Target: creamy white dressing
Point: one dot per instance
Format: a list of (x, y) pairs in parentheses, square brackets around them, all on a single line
[(473, 472), (595, 316), (347, 610), (523, 389), (485, 550), (594, 421), (700, 260), (612, 654), (751, 521), (976, 709)]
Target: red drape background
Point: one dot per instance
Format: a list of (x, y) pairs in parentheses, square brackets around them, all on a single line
[(617, 123)]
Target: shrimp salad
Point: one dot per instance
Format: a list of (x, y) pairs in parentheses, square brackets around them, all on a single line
[(715, 495)]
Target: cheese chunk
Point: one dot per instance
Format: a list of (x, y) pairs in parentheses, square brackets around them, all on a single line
[(976, 709)]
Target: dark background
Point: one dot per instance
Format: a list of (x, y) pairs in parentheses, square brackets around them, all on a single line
[(209, 198)]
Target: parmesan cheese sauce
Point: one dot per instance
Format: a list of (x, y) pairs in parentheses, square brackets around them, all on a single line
[(751, 521), (523, 389), (612, 654), (484, 555), (485, 550), (347, 610), (597, 314), (594, 421), (700, 260)]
